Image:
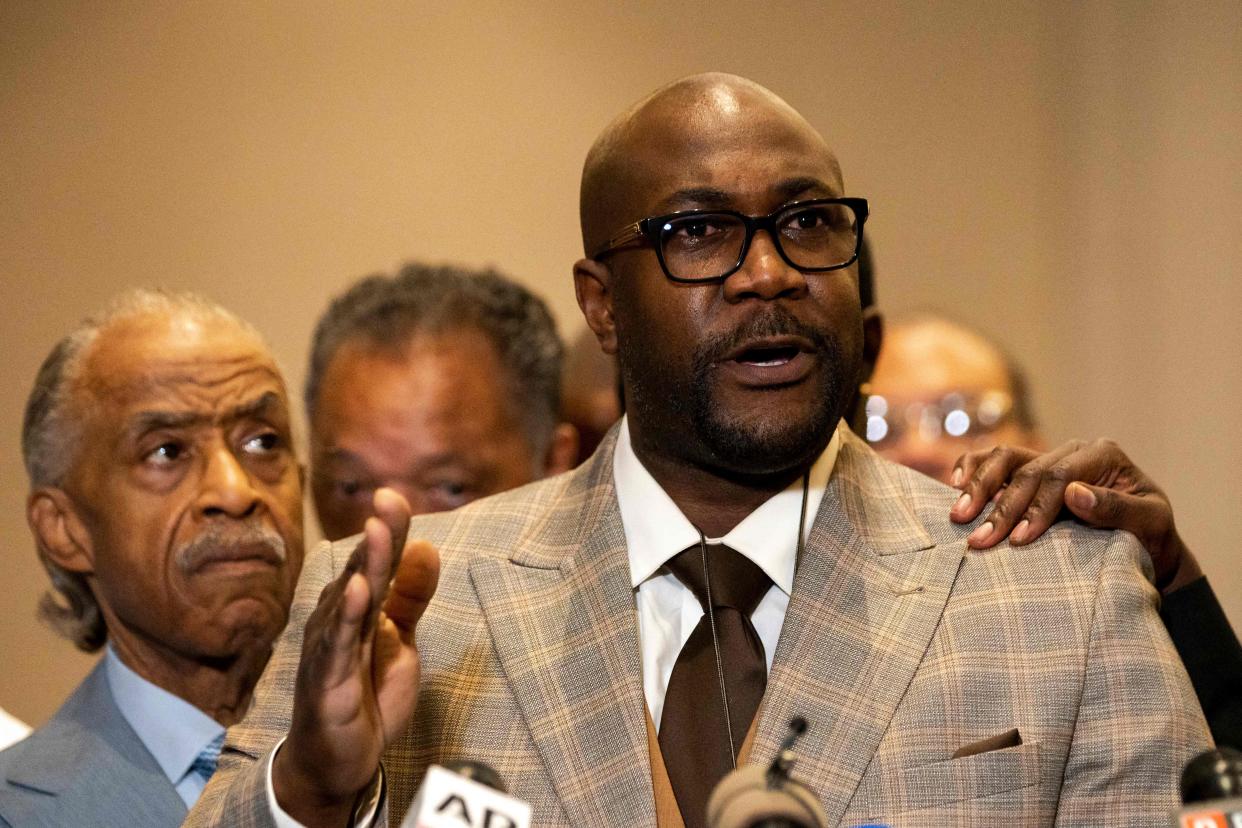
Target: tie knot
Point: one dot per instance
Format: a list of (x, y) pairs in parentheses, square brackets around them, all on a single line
[(207, 759), (736, 581)]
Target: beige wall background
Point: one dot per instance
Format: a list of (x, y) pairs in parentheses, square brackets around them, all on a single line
[(1065, 175)]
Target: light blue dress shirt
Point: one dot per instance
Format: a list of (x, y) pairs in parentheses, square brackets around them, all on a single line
[(173, 730)]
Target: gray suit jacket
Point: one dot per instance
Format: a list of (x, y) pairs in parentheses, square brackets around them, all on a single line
[(86, 766), (899, 647)]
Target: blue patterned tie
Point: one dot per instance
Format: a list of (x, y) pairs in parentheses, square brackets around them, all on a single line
[(206, 761)]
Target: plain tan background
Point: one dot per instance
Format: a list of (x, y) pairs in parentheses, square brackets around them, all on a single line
[(1066, 175)]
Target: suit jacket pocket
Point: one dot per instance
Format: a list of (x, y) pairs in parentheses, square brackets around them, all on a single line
[(954, 780)]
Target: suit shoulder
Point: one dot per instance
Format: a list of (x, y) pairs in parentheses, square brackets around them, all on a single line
[(1068, 551), (86, 765), (78, 728), (933, 499), (10, 755), (495, 525)]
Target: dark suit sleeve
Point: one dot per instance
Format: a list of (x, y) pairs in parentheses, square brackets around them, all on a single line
[(1213, 658)]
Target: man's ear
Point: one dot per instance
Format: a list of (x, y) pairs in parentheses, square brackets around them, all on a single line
[(59, 531), (873, 338), (562, 450), (593, 287)]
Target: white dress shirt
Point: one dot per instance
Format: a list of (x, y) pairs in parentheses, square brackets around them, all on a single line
[(656, 530), (173, 730)]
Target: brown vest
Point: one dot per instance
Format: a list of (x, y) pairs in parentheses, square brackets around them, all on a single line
[(668, 815)]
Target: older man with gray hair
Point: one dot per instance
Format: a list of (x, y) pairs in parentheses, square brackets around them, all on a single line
[(165, 503), (441, 383)]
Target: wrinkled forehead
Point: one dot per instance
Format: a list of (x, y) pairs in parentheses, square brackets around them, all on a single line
[(178, 360)]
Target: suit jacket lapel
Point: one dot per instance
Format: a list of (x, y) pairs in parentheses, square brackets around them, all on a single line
[(867, 598), (561, 615), (93, 765)]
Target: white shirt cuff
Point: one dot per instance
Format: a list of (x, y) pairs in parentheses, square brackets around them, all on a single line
[(364, 813)]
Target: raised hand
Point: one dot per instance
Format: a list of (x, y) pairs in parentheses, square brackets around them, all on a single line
[(1096, 481), (357, 682)]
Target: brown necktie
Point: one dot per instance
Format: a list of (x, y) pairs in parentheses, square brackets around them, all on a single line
[(694, 737)]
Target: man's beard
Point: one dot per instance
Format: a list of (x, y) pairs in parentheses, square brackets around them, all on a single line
[(781, 441)]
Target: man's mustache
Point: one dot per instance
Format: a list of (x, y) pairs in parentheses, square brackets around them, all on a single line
[(773, 321), (235, 543)]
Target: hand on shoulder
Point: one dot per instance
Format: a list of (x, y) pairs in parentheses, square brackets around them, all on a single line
[(1096, 482)]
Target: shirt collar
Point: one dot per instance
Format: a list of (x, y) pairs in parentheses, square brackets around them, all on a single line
[(173, 730), (656, 529)]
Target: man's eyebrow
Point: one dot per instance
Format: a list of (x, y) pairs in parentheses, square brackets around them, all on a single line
[(693, 198), (708, 198), (146, 421), (806, 185), (335, 455), (448, 460), (265, 404)]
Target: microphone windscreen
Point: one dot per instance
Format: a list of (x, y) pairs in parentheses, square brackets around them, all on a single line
[(1213, 774), (743, 799)]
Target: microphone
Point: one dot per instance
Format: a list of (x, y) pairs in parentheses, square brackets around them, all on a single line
[(1211, 789), (465, 794), (757, 797)]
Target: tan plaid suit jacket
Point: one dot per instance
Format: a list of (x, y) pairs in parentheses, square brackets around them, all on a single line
[(899, 647)]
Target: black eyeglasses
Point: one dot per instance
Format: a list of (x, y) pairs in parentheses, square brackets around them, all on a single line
[(707, 245)]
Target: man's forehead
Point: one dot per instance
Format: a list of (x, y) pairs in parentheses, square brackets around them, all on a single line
[(736, 182), (714, 139), (152, 357), (727, 135), (432, 377), (934, 357)]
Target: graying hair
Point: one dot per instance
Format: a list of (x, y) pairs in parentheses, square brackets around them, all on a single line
[(52, 431), (387, 311)]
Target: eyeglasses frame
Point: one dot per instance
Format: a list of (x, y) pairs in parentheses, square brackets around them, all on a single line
[(649, 229)]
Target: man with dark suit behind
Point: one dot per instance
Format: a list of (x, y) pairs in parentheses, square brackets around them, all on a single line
[(565, 639), (166, 506)]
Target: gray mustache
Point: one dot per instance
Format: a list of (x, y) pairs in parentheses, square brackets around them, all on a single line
[(219, 543)]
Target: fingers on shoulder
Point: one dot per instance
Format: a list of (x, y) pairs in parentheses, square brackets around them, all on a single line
[(987, 472), (993, 468)]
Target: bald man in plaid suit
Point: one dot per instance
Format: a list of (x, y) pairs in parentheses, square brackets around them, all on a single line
[(940, 686)]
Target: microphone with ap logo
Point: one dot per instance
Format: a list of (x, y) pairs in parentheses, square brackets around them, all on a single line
[(465, 795)]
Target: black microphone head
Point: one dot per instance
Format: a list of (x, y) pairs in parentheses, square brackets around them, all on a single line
[(480, 772), (1213, 774), (798, 725)]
